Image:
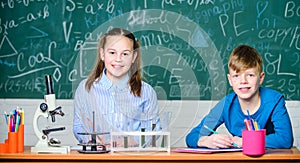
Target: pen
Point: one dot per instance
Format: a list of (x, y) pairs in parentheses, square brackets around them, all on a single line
[(11, 127), (211, 130), (250, 121), (255, 125), (247, 124), (22, 116), (17, 123), (6, 117), (9, 123), (248, 114), (215, 132)]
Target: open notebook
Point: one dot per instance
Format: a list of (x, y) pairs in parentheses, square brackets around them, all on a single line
[(206, 150)]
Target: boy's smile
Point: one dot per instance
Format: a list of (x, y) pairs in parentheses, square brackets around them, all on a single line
[(244, 89)]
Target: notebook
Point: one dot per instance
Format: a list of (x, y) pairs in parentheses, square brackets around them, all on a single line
[(206, 150)]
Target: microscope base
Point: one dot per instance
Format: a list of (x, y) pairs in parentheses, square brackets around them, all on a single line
[(50, 149)]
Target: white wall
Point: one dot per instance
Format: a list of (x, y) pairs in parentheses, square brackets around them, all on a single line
[(185, 115)]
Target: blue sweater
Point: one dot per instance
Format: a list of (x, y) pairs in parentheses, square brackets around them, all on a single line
[(272, 115)]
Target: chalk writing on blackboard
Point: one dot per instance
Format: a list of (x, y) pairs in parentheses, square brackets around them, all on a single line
[(185, 44)]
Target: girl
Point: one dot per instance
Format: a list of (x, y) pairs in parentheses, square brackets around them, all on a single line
[(114, 90)]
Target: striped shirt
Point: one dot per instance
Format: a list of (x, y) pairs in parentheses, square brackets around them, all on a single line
[(113, 108)]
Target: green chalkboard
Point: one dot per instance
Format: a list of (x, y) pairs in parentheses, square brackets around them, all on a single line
[(185, 44)]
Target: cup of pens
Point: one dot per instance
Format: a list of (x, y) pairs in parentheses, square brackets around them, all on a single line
[(254, 139), (15, 138)]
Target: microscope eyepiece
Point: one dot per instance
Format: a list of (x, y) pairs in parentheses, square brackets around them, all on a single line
[(49, 84)]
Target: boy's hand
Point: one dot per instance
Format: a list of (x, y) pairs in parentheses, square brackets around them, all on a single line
[(238, 140), (216, 141)]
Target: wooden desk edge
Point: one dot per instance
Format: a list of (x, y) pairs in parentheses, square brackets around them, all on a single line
[(292, 154)]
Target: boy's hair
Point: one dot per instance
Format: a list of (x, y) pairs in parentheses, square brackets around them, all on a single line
[(134, 72), (244, 57)]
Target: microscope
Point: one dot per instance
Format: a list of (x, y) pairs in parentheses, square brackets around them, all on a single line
[(48, 109)]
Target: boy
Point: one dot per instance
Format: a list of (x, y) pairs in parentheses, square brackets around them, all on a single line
[(264, 105)]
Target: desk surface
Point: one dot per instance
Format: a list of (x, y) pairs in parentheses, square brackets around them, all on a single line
[(272, 155)]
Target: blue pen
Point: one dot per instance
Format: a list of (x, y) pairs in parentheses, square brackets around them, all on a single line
[(248, 114), (215, 132), (250, 120)]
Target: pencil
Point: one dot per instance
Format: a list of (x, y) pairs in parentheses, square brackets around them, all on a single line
[(22, 116)]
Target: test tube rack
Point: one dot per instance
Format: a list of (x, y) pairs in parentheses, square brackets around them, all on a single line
[(145, 141)]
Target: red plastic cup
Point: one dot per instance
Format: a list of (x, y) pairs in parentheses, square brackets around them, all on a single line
[(21, 138), (254, 142), (12, 142), (3, 147)]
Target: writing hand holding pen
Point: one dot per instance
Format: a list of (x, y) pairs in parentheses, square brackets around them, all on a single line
[(238, 141), (216, 140)]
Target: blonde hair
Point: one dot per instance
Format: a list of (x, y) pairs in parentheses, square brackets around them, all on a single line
[(134, 72), (244, 57)]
